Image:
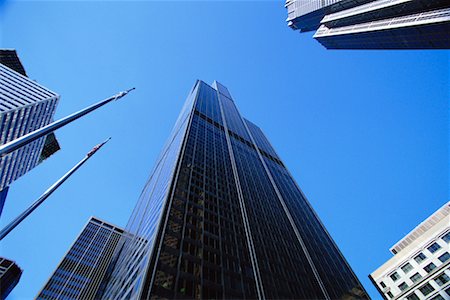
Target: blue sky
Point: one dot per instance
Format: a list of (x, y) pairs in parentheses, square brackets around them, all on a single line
[(365, 133)]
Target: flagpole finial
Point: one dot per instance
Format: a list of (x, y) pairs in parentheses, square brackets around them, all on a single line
[(96, 148), (124, 93)]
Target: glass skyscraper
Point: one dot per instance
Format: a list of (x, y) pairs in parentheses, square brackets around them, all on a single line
[(9, 276), (24, 107), (80, 273), (222, 217), (373, 24)]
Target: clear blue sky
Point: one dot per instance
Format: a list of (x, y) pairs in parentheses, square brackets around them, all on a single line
[(365, 133)]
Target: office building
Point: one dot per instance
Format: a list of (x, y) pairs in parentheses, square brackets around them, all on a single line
[(10, 59), (24, 107), (420, 267), (81, 271), (373, 24), (221, 217), (9, 276)]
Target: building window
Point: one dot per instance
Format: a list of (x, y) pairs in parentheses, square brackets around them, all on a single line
[(426, 289), (448, 291), (403, 286), (434, 247), (390, 295), (413, 296), (444, 257), (429, 267), (394, 276), (446, 237), (416, 277), (383, 285), (438, 297), (442, 279), (406, 268), (420, 258)]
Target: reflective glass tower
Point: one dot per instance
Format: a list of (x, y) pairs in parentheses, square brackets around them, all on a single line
[(81, 271), (373, 24), (221, 217)]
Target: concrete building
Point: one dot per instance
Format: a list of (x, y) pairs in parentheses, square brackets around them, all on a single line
[(420, 268), (80, 273), (373, 24)]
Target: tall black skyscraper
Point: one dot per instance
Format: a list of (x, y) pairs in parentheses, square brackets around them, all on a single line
[(221, 217)]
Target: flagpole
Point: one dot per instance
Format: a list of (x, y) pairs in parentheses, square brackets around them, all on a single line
[(32, 136), (7, 229)]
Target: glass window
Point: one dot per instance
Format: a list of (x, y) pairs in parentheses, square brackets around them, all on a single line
[(448, 291), (390, 295), (434, 247), (383, 285), (403, 286), (438, 297), (446, 237), (426, 289), (413, 296), (420, 258), (416, 277), (444, 257), (406, 268), (430, 267), (394, 276), (442, 279)]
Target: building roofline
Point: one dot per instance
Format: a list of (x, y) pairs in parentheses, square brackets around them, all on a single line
[(103, 221), (438, 215)]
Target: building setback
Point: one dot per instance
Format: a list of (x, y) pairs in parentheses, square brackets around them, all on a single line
[(9, 276), (221, 217), (24, 107), (81, 271), (420, 268), (373, 24)]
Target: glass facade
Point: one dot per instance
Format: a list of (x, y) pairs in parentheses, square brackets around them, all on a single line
[(373, 24), (24, 107), (9, 58), (221, 217), (80, 273), (306, 15), (10, 274)]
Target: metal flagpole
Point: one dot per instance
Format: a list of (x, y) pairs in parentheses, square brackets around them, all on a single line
[(28, 138), (4, 232)]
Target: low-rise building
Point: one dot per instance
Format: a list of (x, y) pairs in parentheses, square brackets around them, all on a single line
[(420, 268)]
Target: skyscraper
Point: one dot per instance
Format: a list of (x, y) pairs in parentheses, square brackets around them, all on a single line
[(373, 24), (420, 267), (9, 58), (81, 271), (9, 276), (221, 217), (24, 106)]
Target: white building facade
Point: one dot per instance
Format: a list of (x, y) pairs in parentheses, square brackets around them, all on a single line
[(24, 107), (420, 268)]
